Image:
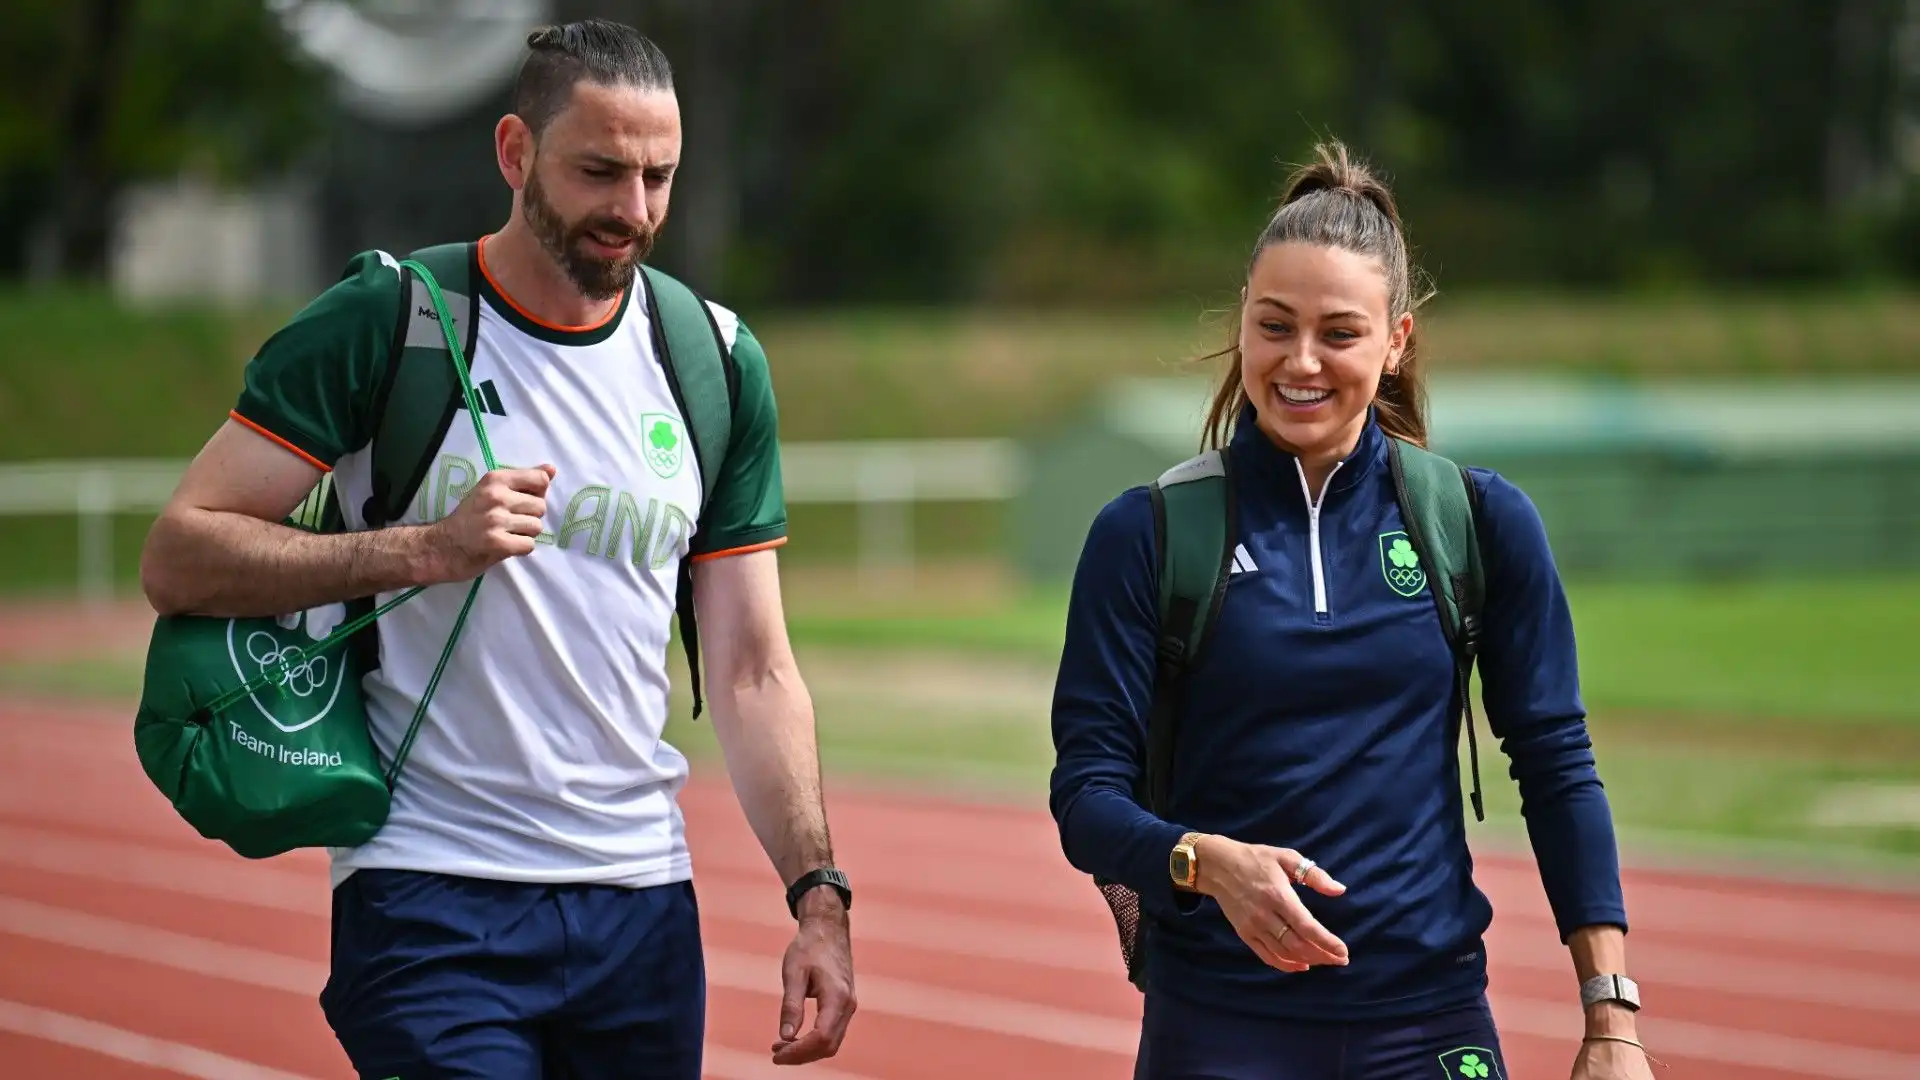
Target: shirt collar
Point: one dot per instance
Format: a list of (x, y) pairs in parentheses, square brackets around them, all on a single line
[(1256, 455)]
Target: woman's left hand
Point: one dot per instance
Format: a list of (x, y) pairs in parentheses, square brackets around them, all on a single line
[(1609, 1060)]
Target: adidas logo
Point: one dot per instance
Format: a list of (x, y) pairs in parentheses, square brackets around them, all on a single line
[(1242, 561), (489, 399)]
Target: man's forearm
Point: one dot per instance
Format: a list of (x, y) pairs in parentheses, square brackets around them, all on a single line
[(766, 731), (206, 562)]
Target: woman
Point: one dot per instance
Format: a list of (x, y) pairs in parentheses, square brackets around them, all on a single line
[(1321, 718)]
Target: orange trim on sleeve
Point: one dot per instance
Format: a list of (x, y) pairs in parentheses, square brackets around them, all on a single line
[(750, 548), (302, 454)]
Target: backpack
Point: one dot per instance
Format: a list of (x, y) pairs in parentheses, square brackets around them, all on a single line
[(272, 753), (1195, 525)]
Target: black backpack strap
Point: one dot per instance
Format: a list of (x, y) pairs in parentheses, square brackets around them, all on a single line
[(1440, 507), (1194, 522), (420, 393), (705, 382)]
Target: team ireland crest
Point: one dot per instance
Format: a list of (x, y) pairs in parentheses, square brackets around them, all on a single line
[(302, 687), (1471, 1063), (1401, 564), (663, 443)]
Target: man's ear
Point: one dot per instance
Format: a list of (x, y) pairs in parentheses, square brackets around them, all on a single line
[(513, 148)]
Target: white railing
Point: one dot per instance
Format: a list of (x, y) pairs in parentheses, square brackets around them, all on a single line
[(881, 479)]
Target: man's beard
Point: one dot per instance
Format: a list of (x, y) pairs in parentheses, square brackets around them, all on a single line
[(596, 278)]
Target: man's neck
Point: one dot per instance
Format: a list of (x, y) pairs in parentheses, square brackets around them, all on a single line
[(521, 270)]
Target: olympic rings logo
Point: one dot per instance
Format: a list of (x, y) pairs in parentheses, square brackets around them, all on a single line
[(292, 669)]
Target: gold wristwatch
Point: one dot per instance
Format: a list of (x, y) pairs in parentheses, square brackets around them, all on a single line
[(1183, 863)]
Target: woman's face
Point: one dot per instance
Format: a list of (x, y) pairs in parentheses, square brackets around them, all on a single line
[(1316, 334)]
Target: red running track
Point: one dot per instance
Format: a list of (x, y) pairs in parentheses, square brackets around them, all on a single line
[(131, 948)]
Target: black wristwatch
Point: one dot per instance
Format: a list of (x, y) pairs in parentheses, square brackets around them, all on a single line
[(825, 875)]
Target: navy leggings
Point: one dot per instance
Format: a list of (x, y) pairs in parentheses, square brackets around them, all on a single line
[(1179, 1041)]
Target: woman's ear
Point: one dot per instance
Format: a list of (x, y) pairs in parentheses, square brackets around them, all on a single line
[(1397, 345)]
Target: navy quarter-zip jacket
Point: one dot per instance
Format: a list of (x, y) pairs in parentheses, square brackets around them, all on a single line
[(1322, 718)]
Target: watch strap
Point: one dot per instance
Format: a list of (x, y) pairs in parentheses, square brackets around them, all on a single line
[(825, 875), (1185, 851), (1610, 987)]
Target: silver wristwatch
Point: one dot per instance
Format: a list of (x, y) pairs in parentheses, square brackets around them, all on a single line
[(1610, 988)]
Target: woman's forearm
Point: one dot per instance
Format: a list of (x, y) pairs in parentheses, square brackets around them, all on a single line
[(1602, 950)]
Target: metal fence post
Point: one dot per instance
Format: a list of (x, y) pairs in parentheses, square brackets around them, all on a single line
[(94, 494), (884, 509)]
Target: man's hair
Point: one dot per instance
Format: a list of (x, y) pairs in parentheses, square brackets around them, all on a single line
[(594, 50)]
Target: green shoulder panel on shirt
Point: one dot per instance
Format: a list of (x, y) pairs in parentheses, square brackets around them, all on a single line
[(313, 382), (749, 504)]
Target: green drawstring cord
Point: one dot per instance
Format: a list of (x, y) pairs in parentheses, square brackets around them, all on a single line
[(280, 673)]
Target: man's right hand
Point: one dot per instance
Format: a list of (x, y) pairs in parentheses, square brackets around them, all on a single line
[(1253, 884), (496, 520)]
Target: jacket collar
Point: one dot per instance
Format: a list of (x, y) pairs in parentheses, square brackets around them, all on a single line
[(1257, 457)]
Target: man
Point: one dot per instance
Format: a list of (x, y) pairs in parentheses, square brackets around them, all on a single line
[(527, 911)]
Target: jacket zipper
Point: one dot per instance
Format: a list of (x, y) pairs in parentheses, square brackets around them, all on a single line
[(1313, 532)]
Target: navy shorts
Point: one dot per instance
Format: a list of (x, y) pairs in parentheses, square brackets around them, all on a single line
[(1180, 1041), (437, 977)]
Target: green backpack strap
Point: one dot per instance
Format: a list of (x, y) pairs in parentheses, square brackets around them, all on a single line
[(421, 392), (1439, 507), (705, 382), (1193, 530), (1194, 521)]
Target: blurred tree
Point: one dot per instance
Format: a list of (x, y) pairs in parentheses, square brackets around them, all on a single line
[(1106, 151), (95, 94)]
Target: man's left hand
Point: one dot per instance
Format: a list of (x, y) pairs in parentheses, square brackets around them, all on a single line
[(819, 965)]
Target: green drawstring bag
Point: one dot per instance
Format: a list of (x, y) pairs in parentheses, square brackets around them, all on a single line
[(255, 729)]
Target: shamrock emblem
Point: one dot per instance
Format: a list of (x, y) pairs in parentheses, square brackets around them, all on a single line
[(1470, 1064), (662, 449), (1403, 555), (1401, 564)]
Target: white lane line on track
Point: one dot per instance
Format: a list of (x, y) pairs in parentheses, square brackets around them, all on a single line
[(753, 973), (181, 952), (724, 1064), (1677, 910), (1657, 968), (129, 1046), (720, 1062), (1721, 971), (1515, 893), (251, 967), (938, 1005)]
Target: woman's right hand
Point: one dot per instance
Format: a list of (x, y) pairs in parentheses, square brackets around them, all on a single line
[(1253, 884)]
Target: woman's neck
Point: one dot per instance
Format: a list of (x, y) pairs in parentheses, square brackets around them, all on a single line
[(1317, 463)]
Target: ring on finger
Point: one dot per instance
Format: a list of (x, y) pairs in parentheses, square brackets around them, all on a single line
[(1300, 872)]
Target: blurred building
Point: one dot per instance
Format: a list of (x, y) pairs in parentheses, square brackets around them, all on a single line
[(1679, 478), (408, 160)]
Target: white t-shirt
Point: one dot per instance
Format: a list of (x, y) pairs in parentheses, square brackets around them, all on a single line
[(540, 758)]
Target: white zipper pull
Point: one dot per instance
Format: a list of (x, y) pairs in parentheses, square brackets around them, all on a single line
[(1313, 532)]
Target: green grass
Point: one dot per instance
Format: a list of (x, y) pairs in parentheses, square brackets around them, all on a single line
[(1820, 651), (1669, 779), (81, 376), (84, 376)]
